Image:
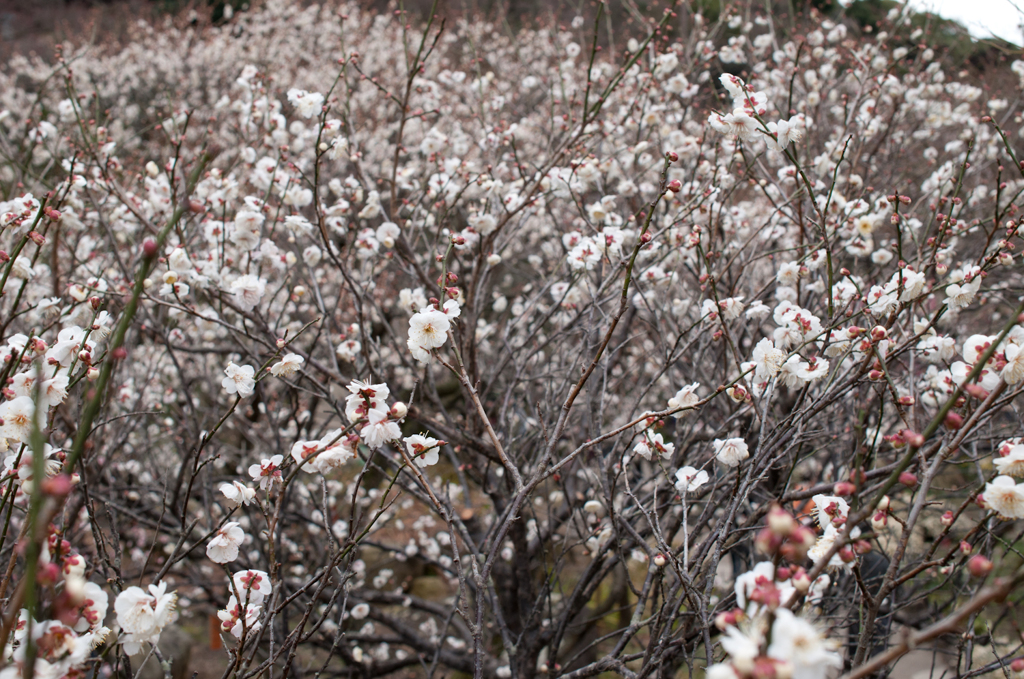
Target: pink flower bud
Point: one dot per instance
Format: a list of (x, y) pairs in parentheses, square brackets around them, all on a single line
[(767, 542), (781, 522), (947, 519), (879, 333), (953, 420), (908, 479), (845, 489), (965, 547), (913, 438), (48, 574), (58, 485), (976, 390), (979, 566), (726, 619), (149, 248), (801, 581), (675, 186), (737, 393)]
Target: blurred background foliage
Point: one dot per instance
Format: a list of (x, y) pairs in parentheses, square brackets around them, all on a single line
[(35, 26)]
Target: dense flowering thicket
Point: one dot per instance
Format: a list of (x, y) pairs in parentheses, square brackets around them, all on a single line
[(433, 348)]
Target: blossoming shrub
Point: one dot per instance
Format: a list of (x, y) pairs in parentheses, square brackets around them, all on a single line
[(434, 348)]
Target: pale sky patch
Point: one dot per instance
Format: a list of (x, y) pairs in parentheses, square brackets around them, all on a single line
[(983, 18)]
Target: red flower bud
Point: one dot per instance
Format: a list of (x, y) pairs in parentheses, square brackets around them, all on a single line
[(907, 479)]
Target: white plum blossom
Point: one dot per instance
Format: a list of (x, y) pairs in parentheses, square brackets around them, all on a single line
[(143, 614), (1010, 458), (252, 585), (248, 291), (830, 510), (239, 379), (423, 449), (685, 398), (17, 415), (307, 104), (651, 444), (767, 359), (731, 452), (235, 622), (689, 479), (801, 645), (1005, 496), (223, 547), (379, 429), (428, 330), (237, 493), (963, 288), (267, 472), (287, 366)]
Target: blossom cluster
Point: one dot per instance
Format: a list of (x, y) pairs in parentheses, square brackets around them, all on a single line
[(384, 343)]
